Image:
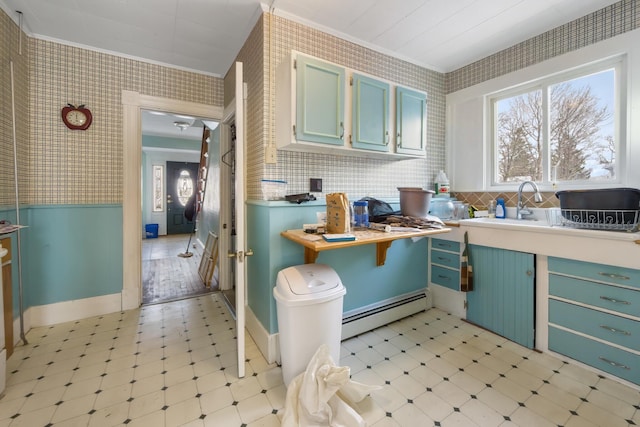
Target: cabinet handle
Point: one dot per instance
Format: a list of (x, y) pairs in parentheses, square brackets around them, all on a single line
[(399, 140), (614, 364), (615, 301), (614, 276), (386, 138), (614, 330), (443, 258), (444, 277), (341, 130)]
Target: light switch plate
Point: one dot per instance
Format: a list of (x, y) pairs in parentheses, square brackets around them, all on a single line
[(270, 154)]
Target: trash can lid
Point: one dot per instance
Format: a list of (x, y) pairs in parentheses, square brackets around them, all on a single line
[(308, 279)]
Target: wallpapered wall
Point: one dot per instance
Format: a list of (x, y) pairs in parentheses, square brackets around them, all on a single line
[(10, 52), (600, 25), (60, 166)]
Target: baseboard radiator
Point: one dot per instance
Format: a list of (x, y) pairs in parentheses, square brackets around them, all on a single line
[(364, 319)]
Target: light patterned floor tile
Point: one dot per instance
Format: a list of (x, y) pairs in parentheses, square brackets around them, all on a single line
[(175, 364)]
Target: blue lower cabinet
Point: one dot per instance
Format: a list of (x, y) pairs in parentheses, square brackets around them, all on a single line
[(613, 360), (445, 277), (605, 326), (503, 296)]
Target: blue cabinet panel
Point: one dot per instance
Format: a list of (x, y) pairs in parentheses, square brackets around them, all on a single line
[(503, 296), (600, 272), (447, 259), (370, 113), (616, 361), (445, 245), (320, 101), (614, 298), (445, 277), (411, 121), (608, 327)]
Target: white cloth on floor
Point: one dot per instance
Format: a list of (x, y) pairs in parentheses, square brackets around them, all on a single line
[(323, 395)]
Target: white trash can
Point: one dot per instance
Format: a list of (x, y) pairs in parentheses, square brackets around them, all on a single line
[(309, 301)]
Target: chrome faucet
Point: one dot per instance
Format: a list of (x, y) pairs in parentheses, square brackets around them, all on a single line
[(522, 212)]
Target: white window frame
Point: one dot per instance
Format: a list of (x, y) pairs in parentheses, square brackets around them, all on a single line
[(619, 64)]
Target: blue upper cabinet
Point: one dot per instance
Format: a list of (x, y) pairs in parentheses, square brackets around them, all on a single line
[(320, 101), (370, 113), (317, 111), (411, 121)]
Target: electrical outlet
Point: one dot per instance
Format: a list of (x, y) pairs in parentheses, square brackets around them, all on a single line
[(270, 154), (315, 185)]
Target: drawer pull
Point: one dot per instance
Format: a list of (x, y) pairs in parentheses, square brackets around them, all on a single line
[(614, 364), (615, 301), (441, 258), (614, 276), (444, 277), (614, 330)]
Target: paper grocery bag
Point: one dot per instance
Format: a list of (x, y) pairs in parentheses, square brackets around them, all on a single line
[(338, 213)]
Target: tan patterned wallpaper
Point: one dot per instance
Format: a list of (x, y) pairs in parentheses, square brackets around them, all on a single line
[(10, 53), (61, 166), (603, 24), (78, 167)]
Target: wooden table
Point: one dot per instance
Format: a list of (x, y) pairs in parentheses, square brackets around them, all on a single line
[(314, 243)]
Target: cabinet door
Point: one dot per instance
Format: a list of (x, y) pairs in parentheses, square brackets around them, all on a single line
[(411, 121), (319, 101), (370, 113), (503, 295)]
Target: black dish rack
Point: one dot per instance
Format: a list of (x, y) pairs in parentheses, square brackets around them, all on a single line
[(615, 209)]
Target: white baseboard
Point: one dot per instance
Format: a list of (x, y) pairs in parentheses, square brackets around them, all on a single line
[(448, 300), (268, 344), (67, 311)]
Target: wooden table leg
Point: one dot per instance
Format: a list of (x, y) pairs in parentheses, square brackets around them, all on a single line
[(310, 256), (381, 252)]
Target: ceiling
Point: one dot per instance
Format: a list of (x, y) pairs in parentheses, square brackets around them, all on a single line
[(206, 35), (163, 124)]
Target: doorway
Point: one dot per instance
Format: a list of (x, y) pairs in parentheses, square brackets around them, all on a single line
[(173, 186)]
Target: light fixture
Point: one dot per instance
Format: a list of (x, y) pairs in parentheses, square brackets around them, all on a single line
[(182, 125)]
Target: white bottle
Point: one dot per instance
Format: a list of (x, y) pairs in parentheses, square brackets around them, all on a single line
[(442, 184)]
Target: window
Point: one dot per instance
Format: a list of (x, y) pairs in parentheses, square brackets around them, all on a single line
[(184, 187), (158, 188), (560, 129)]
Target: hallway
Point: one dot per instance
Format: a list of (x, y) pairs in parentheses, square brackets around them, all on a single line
[(168, 277)]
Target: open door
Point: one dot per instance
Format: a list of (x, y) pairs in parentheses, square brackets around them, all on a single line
[(232, 233)]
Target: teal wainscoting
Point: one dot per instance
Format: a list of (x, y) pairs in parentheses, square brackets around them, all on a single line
[(405, 269), (71, 252)]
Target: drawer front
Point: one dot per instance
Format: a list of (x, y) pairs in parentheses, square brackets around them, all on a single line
[(446, 245), (447, 259), (615, 329), (600, 272), (613, 360), (622, 300), (445, 277)]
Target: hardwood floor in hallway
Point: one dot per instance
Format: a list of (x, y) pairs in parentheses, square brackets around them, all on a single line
[(168, 277)]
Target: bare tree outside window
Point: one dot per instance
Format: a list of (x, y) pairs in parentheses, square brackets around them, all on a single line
[(579, 136)]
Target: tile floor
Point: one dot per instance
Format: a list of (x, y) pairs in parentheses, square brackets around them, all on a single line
[(174, 364)]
